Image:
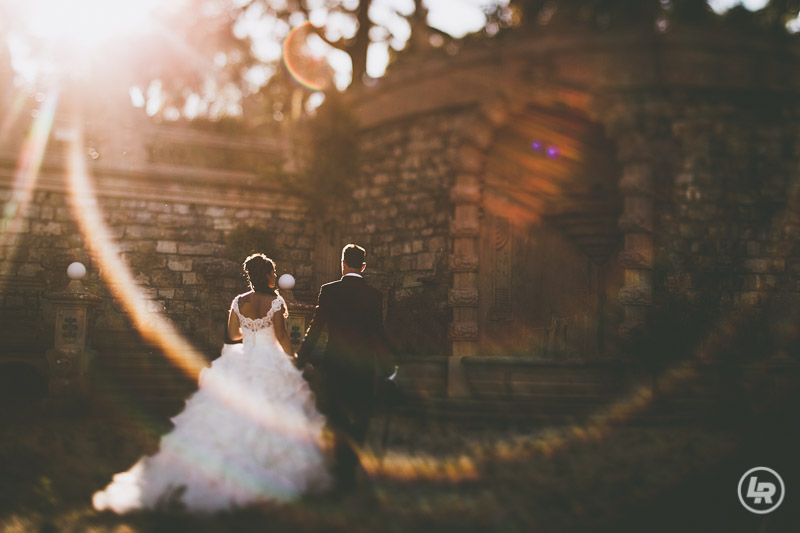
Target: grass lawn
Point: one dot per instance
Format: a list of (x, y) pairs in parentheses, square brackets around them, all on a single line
[(679, 476)]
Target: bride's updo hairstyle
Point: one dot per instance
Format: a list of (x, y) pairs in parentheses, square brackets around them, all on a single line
[(257, 267)]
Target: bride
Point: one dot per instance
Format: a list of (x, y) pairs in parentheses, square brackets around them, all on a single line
[(250, 434)]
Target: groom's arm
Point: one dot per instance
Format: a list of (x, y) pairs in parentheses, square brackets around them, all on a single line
[(314, 330), (384, 351)]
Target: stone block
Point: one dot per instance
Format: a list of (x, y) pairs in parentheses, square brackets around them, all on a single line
[(47, 228), (29, 270), (437, 244), (133, 204), (190, 278), (167, 247), (116, 232), (411, 279), (166, 293), (299, 255), (145, 247), (159, 207), (756, 265), (777, 264), (748, 298), (142, 232), (154, 306), (224, 224), (181, 209), (145, 217), (185, 294), (215, 212), (201, 248), (174, 307), (426, 261), (179, 264), (14, 301), (165, 278), (304, 271)]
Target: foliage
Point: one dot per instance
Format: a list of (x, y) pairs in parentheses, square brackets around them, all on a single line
[(529, 480), (326, 150), (681, 328), (661, 14), (244, 240), (417, 325), (672, 332)]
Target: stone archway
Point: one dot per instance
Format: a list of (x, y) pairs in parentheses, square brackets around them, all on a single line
[(549, 237), (597, 237)]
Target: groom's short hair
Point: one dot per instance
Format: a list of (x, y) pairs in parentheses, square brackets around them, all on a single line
[(354, 256)]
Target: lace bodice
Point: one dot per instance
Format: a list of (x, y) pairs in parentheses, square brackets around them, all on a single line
[(252, 326)]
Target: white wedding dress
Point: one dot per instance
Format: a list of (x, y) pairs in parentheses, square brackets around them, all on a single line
[(250, 434)]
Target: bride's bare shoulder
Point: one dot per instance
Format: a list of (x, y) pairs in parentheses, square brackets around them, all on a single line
[(245, 296)]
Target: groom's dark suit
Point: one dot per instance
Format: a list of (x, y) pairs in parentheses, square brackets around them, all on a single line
[(356, 350)]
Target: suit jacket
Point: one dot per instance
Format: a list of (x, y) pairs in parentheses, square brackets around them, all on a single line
[(357, 344)]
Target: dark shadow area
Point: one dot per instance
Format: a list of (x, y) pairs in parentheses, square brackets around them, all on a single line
[(23, 389)]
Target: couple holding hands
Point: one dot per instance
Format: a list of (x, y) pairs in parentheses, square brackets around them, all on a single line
[(254, 431)]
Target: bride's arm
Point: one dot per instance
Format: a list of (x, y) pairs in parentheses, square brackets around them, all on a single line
[(234, 333), (282, 334)]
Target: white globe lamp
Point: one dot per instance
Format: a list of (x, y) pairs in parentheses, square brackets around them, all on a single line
[(286, 282), (76, 270)]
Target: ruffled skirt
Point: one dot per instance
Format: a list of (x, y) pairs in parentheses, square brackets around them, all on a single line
[(250, 434)]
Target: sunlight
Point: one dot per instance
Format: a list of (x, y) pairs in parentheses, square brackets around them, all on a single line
[(13, 215), (83, 23)]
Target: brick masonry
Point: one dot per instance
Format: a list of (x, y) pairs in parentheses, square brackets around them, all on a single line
[(169, 226), (708, 180)]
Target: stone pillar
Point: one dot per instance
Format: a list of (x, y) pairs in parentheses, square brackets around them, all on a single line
[(465, 234), (636, 222), (68, 361), (300, 314), (463, 296)]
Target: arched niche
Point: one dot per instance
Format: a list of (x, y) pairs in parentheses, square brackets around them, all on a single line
[(549, 238)]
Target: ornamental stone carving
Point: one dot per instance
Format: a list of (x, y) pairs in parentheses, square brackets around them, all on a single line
[(462, 297), (636, 180), (480, 135), (636, 295), (463, 331), (634, 259), (628, 329), (465, 193), (464, 263), (465, 228), (635, 223), (471, 159)]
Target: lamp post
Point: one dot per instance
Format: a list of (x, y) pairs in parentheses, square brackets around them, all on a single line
[(299, 313), (68, 361)]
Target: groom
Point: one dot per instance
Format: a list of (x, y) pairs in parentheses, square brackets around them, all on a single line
[(356, 349)]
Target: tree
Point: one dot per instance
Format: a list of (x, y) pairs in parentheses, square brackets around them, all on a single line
[(655, 13)]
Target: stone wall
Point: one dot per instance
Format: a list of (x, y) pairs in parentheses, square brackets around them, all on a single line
[(702, 133), (169, 223), (704, 123), (401, 213), (727, 211)]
